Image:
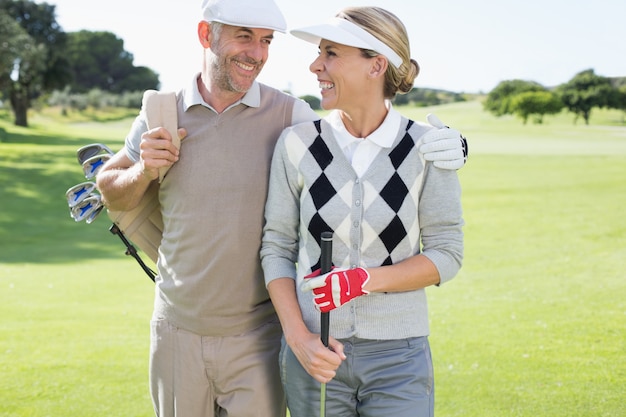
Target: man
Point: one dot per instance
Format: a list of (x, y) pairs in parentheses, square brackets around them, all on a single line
[(215, 336)]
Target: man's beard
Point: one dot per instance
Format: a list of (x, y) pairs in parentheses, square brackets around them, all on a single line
[(220, 70)]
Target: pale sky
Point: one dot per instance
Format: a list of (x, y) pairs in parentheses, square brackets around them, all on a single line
[(461, 45)]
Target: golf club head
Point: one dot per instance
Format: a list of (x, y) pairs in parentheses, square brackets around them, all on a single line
[(79, 192), (92, 165), (89, 151), (92, 216), (87, 209)]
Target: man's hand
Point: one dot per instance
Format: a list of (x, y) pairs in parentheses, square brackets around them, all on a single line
[(445, 147), (336, 288), (158, 151)]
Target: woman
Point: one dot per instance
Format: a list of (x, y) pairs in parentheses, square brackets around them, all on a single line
[(397, 224)]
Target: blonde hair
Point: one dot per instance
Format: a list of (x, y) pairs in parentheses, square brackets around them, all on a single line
[(387, 28)]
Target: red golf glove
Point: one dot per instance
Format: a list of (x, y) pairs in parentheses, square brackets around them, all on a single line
[(335, 288)]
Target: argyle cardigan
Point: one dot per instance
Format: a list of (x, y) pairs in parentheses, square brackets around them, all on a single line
[(400, 207)]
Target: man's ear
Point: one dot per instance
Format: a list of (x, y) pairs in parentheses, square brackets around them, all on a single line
[(204, 34)]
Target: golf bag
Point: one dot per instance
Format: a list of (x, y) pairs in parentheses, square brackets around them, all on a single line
[(143, 225)]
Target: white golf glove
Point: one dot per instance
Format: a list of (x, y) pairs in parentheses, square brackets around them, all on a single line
[(445, 147)]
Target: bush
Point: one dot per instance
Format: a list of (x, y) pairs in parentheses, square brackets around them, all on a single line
[(499, 100), (314, 102), (537, 103), (95, 98)]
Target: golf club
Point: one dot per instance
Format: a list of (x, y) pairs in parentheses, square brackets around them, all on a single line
[(79, 192), (88, 151), (92, 216), (92, 165), (86, 204), (87, 209), (326, 264)]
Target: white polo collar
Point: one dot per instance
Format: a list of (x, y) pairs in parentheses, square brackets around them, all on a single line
[(384, 136), (192, 97)]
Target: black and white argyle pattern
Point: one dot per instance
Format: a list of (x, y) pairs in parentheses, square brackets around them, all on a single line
[(373, 218)]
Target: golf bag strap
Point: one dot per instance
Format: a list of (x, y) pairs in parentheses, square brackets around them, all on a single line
[(131, 251), (160, 111), (143, 225)]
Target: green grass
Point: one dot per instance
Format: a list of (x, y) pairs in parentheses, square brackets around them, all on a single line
[(534, 325), (74, 339)]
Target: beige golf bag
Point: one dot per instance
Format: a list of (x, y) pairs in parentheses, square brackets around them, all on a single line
[(143, 225)]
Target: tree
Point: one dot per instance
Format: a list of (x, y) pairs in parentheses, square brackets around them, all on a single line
[(99, 60), (619, 101), (585, 91), (498, 100), (37, 54), (138, 79), (538, 103), (427, 97), (314, 102), (12, 37), (21, 65)]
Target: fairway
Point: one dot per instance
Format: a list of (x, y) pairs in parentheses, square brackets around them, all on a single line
[(533, 325)]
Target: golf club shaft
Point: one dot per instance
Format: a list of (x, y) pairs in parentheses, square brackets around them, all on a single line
[(326, 262)]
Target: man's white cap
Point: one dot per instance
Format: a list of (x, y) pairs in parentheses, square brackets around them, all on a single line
[(346, 33), (263, 14)]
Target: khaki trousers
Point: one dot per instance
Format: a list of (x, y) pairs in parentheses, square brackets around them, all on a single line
[(202, 376)]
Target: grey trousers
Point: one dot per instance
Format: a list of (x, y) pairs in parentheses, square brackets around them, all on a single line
[(378, 378)]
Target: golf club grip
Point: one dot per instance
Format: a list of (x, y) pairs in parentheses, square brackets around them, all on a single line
[(326, 263)]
